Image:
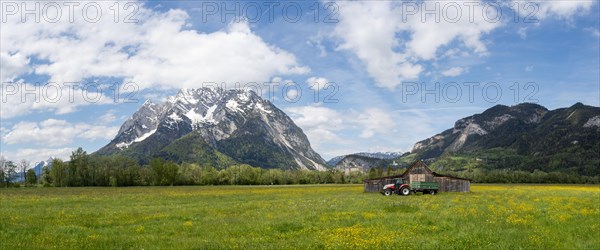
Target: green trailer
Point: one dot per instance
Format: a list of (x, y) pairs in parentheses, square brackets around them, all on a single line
[(425, 187)]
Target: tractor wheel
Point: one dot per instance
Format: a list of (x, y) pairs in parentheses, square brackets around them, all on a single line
[(432, 192), (387, 192), (405, 191)]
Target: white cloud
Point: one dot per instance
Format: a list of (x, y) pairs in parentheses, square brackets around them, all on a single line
[(25, 98), (337, 132), (454, 71), (368, 29), (316, 116), (563, 9), (317, 42), (320, 124), (529, 68), (12, 65), (54, 132), (108, 117), (291, 95), (593, 31), (317, 83), (374, 31), (158, 51), (34, 155), (522, 32), (324, 125), (375, 121)]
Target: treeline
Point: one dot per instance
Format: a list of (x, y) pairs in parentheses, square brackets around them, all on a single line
[(83, 169), (518, 176)]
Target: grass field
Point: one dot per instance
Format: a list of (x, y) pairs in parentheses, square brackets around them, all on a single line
[(326, 216)]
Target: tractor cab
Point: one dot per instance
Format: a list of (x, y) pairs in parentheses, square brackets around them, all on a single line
[(399, 181)]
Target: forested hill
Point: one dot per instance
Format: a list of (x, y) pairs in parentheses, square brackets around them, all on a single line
[(524, 137)]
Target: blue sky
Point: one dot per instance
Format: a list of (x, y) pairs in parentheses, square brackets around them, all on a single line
[(390, 75)]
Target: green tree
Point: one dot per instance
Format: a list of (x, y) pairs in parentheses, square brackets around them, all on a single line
[(45, 177), (78, 172), (171, 173), (9, 171), (157, 166), (58, 173), (31, 177), (23, 170), (372, 173)]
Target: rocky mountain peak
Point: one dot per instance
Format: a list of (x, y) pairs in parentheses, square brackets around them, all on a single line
[(219, 117)]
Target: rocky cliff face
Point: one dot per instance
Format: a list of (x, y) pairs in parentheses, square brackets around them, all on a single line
[(233, 124)]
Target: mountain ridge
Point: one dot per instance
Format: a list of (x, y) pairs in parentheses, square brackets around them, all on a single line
[(529, 135), (376, 155)]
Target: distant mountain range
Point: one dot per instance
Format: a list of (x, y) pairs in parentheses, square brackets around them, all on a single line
[(37, 168), (219, 128), (521, 137), (215, 127), (376, 155)]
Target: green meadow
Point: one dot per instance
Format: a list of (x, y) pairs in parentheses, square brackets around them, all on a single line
[(311, 216)]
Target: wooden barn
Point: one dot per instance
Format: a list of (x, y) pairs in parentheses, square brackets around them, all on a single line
[(419, 171)]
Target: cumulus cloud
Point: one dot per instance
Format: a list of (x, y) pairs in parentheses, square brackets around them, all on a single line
[(53, 132), (376, 45), (454, 71), (317, 83), (324, 125), (320, 124), (564, 9), (24, 98), (12, 65), (159, 51), (374, 121), (395, 45)]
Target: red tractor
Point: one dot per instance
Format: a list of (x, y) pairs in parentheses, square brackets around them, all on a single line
[(398, 187)]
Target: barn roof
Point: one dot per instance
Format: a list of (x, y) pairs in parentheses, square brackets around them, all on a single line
[(415, 164)]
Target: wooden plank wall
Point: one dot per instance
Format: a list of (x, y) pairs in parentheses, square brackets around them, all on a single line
[(449, 184), (420, 177)]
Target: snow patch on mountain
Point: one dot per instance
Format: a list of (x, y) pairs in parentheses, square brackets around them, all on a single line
[(262, 108), (233, 105), (144, 136), (175, 117), (124, 145), (199, 118)]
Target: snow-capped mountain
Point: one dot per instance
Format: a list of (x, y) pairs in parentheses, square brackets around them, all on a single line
[(38, 167), (215, 125), (377, 155)]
